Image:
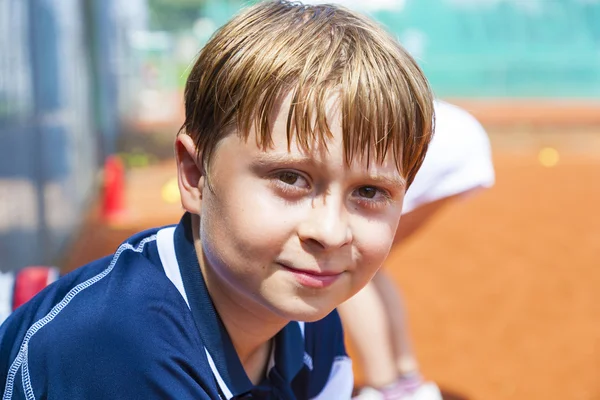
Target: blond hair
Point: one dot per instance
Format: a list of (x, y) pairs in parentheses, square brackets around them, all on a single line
[(313, 52)]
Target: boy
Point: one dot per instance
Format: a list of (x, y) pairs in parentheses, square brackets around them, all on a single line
[(304, 126)]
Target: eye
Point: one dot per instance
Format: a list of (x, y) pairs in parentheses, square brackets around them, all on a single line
[(367, 192), (290, 183), (372, 197), (288, 177)]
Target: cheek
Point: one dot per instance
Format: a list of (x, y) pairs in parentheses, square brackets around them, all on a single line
[(373, 240), (247, 222)]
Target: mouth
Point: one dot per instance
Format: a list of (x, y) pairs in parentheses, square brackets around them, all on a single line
[(312, 279)]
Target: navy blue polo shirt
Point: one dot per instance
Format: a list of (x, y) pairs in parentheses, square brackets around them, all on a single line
[(140, 324)]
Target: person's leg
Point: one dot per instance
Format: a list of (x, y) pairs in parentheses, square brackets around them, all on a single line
[(366, 323), (404, 356), (374, 321)]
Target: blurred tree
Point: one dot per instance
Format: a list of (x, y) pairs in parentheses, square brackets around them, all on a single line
[(174, 15)]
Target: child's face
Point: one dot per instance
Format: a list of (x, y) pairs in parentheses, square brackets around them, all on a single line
[(297, 232)]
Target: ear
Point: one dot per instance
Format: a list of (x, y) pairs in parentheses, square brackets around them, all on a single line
[(190, 174)]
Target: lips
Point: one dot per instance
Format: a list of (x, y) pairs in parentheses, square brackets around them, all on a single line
[(312, 279)]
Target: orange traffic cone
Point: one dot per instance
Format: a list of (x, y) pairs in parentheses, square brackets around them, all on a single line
[(113, 201), (30, 281)]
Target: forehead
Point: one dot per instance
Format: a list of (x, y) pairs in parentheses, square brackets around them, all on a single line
[(321, 149)]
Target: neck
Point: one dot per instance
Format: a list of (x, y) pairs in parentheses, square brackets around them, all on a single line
[(250, 326)]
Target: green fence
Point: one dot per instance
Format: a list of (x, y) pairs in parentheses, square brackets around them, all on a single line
[(492, 48)]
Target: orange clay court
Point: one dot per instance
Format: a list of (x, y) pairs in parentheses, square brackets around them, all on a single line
[(502, 290)]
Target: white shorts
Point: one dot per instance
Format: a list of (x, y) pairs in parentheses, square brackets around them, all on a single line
[(458, 160)]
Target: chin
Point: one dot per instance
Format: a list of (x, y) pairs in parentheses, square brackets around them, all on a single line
[(304, 311)]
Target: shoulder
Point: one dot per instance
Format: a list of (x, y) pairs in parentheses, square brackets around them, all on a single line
[(116, 295), (111, 279), (115, 321), (459, 159), (460, 144), (456, 127), (452, 114)]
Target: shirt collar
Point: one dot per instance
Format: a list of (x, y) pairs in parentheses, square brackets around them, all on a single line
[(288, 353)]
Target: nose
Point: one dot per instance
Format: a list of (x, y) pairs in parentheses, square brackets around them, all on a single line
[(326, 225)]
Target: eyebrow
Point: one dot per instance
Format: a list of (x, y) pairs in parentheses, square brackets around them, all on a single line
[(396, 182), (285, 158), (266, 159)]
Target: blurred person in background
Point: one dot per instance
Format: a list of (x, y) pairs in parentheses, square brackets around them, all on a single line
[(457, 163)]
